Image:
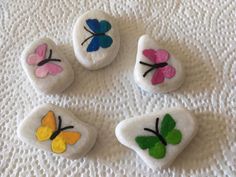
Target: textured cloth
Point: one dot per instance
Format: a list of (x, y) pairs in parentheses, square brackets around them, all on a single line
[(200, 33)]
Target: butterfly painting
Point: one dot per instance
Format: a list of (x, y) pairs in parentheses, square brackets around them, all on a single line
[(49, 130), (98, 32), (156, 144), (45, 65), (159, 59)]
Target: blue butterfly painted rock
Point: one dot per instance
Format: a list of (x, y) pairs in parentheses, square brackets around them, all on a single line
[(98, 34), (96, 39)]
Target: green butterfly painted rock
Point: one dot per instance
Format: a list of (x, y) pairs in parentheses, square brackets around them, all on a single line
[(158, 138), (168, 134)]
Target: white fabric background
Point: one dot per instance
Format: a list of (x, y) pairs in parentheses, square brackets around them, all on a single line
[(200, 33)]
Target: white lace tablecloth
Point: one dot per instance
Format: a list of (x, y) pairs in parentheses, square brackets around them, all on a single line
[(200, 33)]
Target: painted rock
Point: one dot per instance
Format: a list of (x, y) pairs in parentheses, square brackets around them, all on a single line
[(46, 67), (57, 130), (158, 137), (96, 39), (156, 70)]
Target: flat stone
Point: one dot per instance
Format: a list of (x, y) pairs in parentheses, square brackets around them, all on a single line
[(46, 67), (96, 39), (158, 138), (57, 130), (156, 70)]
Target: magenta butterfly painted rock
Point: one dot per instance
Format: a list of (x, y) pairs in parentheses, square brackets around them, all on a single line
[(47, 69), (156, 70)]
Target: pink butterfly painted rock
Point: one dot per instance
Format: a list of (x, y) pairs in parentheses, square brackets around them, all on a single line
[(156, 70), (47, 69)]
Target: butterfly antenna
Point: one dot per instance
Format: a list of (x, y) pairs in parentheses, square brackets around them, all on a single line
[(52, 59), (68, 127), (50, 54), (89, 31), (59, 122), (157, 122), (162, 139), (146, 64), (150, 130), (86, 39), (148, 71), (154, 66)]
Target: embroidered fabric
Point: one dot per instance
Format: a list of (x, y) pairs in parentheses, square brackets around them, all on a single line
[(200, 34)]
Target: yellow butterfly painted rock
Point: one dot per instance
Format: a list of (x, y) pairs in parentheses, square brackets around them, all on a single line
[(59, 137), (57, 130)]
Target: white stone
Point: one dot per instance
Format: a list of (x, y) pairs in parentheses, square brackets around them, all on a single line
[(168, 78), (30, 131), (102, 53), (50, 77), (129, 129)]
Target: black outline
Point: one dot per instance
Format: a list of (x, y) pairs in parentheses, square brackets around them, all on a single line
[(93, 34), (153, 66), (59, 129), (161, 138), (46, 60)]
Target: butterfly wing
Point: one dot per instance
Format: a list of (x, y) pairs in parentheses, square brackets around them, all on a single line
[(158, 77), (156, 56), (105, 41), (94, 44), (102, 40), (94, 25), (38, 55), (167, 124), (168, 130), (155, 148), (98, 27), (41, 71), (168, 71), (161, 56), (65, 137), (150, 54), (174, 137), (58, 145), (145, 142), (105, 26), (48, 126), (33, 59), (70, 137), (41, 50), (158, 151), (51, 68)]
